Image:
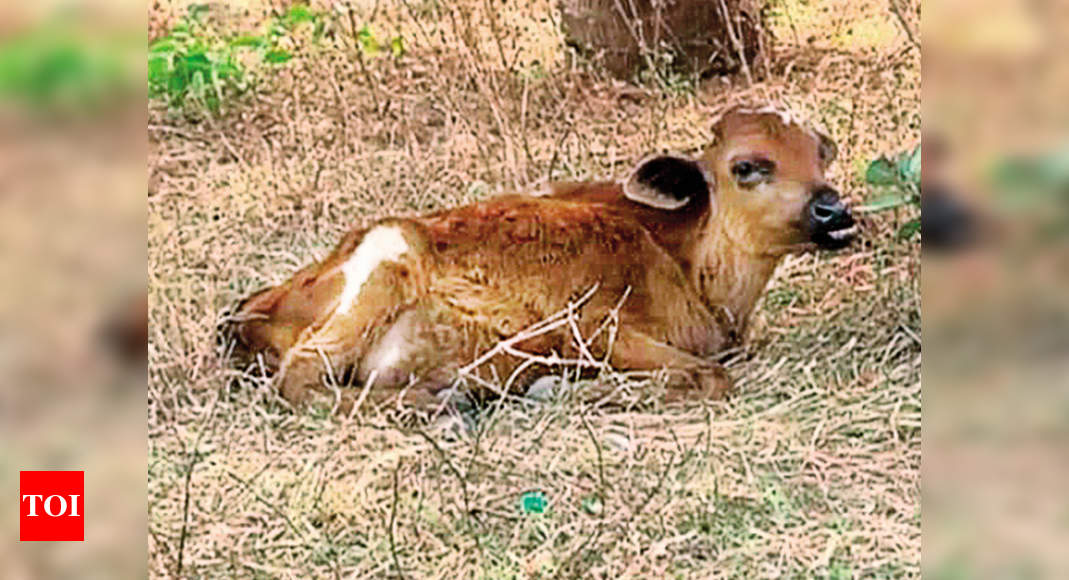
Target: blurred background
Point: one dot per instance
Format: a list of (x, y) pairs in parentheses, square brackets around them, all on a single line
[(996, 291), (72, 273)]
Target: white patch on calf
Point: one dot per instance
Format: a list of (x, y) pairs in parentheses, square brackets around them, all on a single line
[(390, 350), (381, 244), (390, 355)]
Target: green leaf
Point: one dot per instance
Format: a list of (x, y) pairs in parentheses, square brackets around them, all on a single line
[(176, 85), (163, 45), (278, 56), (300, 13), (909, 166), (248, 41), (196, 10), (397, 47), (881, 172), (367, 41), (158, 66), (885, 202), (225, 70), (909, 229), (197, 62)]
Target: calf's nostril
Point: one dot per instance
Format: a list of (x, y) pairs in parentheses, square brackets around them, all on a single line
[(825, 213)]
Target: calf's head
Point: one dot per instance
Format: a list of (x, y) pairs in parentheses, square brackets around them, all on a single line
[(265, 325), (769, 171), (765, 173)]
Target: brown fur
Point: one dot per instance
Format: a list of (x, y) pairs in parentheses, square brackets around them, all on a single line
[(478, 274)]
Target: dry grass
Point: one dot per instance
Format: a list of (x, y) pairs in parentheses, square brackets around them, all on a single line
[(811, 470)]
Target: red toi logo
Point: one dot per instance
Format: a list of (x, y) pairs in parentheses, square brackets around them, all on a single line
[(51, 506)]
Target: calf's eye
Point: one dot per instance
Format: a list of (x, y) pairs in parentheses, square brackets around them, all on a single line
[(749, 172)]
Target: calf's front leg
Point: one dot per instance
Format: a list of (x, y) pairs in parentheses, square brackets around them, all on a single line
[(689, 377)]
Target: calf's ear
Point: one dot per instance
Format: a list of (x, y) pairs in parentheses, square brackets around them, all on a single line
[(667, 182)]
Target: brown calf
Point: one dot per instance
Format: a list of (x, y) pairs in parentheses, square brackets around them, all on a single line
[(679, 253)]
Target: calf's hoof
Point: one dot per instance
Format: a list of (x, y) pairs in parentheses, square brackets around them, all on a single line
[(713, 384)]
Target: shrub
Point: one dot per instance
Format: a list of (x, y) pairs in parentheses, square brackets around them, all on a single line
[(898, 182), (196, 67)]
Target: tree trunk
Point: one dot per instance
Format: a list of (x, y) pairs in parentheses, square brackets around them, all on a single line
[(693, 36)]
